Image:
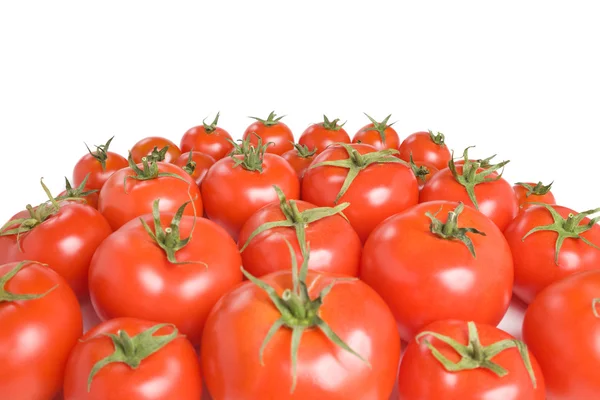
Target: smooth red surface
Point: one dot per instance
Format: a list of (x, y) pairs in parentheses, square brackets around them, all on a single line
[(523, 199), (145, 146), (423, 149), (215, 143), (98, 176), (203, 164), (300, 164), (373, 138), (280, 135), (316, 136)]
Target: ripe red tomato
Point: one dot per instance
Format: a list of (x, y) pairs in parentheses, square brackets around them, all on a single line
[(334, 245), (528, 192), (426, 147), (495, 367), (423, 171), (299, 158), (155, 148), (196, 164), (426, 270), (237, 186), (130, 192), (87, 195), (192, 273), (271, 130), (323, 134), (62, 234), (561, 329), (99, 165), (380, 184), (549, 243), (481, 188), (208, 139), (41, 322), (378, 134), (141, 360)]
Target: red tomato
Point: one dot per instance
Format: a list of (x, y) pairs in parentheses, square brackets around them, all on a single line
[(155, 148), (529, 192), (63, 234), (130, 192), (378, 134), (236, 187), (561, 327), (99, 165), (88, 196), (426, 147), (496, 367), (540, 258), (481, 188), (423, 171), (299, 158), (271, 130), (382, 186), (142, 361), (208, 139), (324, 134), (196, 164), (193, 274), (41, 322), (424, 268), (334, 245)]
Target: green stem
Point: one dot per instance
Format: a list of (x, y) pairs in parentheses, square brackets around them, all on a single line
[(271, 120), (538, 190), (303, 151), (380, 127), (331, 125), (438, 139), (6, 296), (213, 126), (251, 156), (101, 153)]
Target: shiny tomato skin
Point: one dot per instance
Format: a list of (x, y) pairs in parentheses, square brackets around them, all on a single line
[(91, 199), (215, 144), (317, 136), (66, 242), (36, 335), (120, 203), (524, 200), (299, 163), (280, 135), (126, 267), (423, 377), (231, 363), (231, 195), (145, 146), (98, 176), (203, 164), (424, 149), (496, 199), (534, 257), (334, 245), (424, 278), (173, 372), (562, 331), (379, 191), (372, 138)]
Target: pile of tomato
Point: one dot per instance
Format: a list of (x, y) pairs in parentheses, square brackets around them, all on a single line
[(328, 268)]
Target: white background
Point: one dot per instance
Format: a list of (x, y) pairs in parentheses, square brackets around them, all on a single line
[(516, 78)]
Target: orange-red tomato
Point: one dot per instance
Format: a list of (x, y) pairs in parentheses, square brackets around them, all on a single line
[(378, 134), (529, 192), (299, 158), (426, 147), (273, 131), (321, 135), (197, 167), (82, 192), (152, 146), (99, 165), (208, 139)]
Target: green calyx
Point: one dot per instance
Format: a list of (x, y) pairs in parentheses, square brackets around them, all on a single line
[(356, 162), (148, 171), (420, 172), (298, 311), (251, 156), (450, 229), (158, 155), (475, 355), (566, 228), (169, 239), (380, 127), (296, 219), (190, 167), (6, 296), (101, 153), (78, 192), (271, 120), (595, 303), (538, 190), (331, 125), (303, 150), (471, 176), (438, 138), (213, 126), (133, 350)]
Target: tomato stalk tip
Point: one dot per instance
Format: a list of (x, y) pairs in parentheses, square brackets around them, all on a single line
[(438, 138), (331, 125), (380, 127), (213, 126), (538, 190), (420, 171), (190, 166), (101, 153), (303, 150), (251, 156), (271, 120), (78, 192)]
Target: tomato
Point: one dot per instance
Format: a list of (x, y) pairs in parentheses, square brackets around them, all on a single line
[(237, 186), (155, 148), (208, 139), (423, 171), (99, 165), (334, 245), (561, 327), (528, 192), (376, 184), (273, 131), (549, 243), (378, 134), (81, 192), (299, 158), (196, 164), (481, 188), (130, 192), (194, 271), (41, 322), (495, 367), (63, 234), (141, 360), (428, 269), (328, 337), (323, 134), (426, 147)]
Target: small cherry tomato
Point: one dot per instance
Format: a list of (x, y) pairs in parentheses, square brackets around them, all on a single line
[(196, 164), (208, 139), (155, 148), (426, 147), (323, 134), (528, 193), (299, 158), (423, 171), (273, 132), (98, 166), (378, 134)]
